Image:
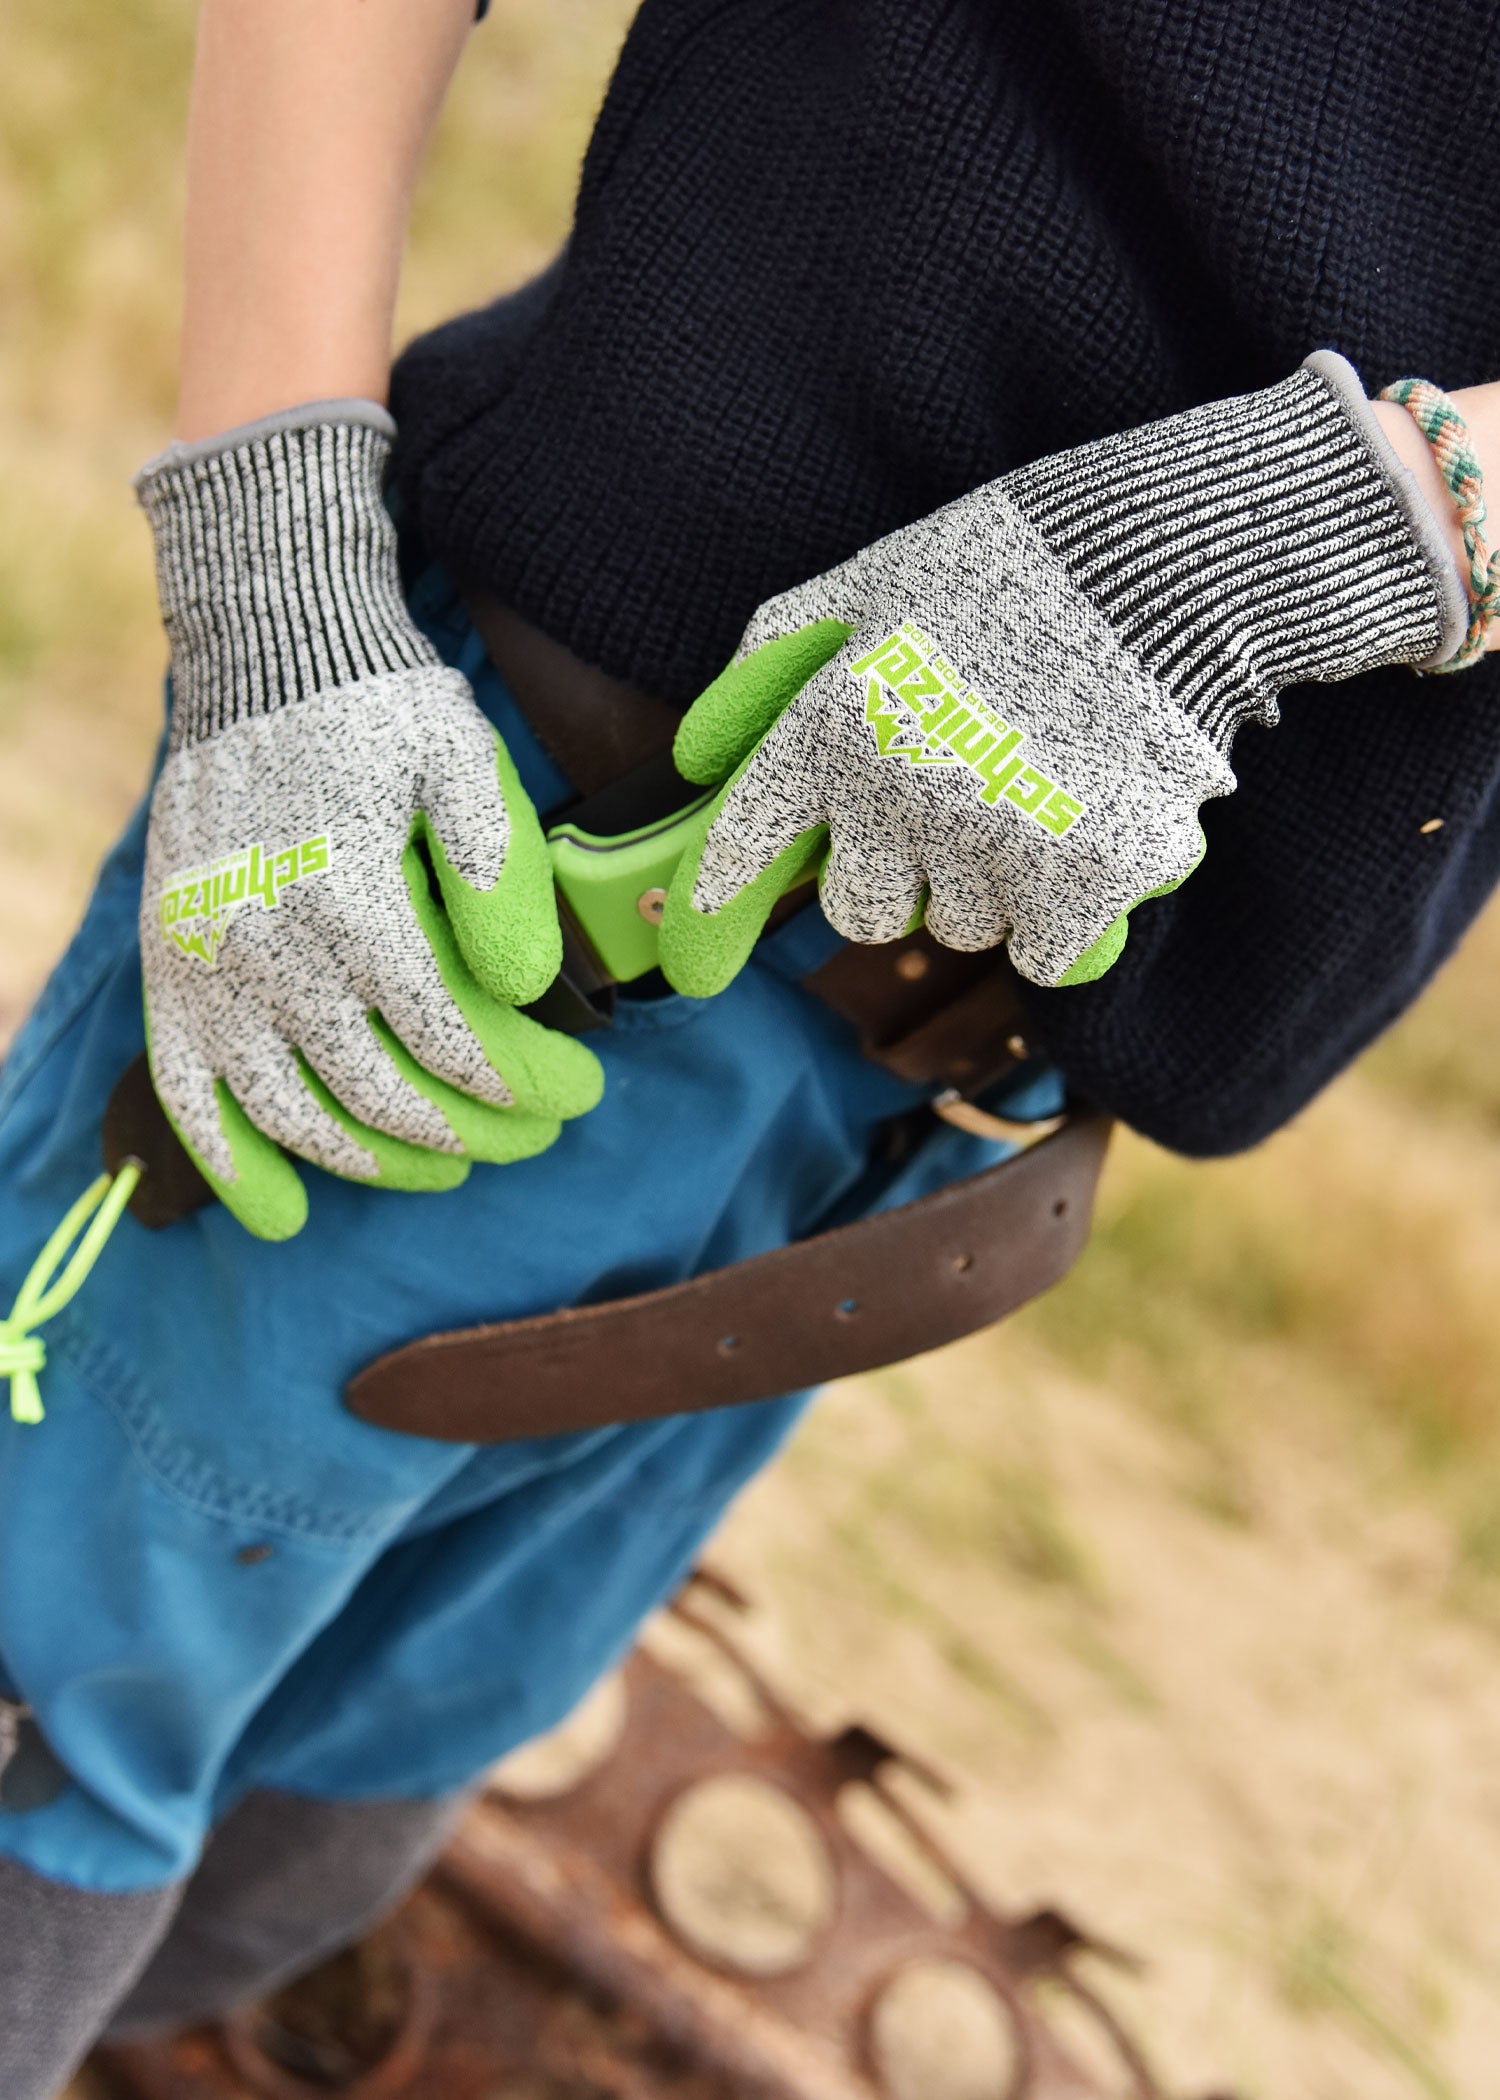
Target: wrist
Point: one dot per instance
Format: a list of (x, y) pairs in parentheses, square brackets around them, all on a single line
[(239, 403), (247, 381)]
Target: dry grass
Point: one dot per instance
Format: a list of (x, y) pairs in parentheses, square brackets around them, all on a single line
[(1196, 1566)]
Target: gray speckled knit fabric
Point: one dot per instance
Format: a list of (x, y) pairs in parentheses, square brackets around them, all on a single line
[(311, 724), (1044, 677), (275, 914)]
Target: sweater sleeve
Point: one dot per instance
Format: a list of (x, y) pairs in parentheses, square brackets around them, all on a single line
[(1318, 915)]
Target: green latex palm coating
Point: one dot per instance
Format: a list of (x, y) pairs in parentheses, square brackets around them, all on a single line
[(702, 952), (1103, 955), (497, 1136), (1093, 962), (550, 1075), (729, 717), (267, 1195), (508, 934), (414, 1168)]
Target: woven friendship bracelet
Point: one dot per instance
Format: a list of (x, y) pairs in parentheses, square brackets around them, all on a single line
[(1436, 415)]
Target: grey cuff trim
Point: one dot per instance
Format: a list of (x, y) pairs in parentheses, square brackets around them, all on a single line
[(276, 568), (352, 408), (1427, 528)]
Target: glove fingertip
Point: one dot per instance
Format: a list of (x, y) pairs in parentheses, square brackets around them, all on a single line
[(711, 737), (266, 1196), (514, 958), (508, 935), (584, 1082), (514, 1137), (730, 716), (554, 1076), (269, 1222), (1095, 960), (701, 972), (701, 953)]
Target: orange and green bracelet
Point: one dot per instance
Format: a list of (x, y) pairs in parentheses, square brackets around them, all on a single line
[(1437, 416)]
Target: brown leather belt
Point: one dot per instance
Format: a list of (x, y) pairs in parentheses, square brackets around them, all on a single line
[(870, 1293)]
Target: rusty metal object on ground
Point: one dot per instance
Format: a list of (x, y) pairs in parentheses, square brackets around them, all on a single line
[(569, 1947)]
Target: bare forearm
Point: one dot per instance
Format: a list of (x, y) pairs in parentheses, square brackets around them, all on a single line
[(309, 120)]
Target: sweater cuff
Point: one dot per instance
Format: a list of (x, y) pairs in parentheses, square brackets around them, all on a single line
[(1252, 544), (276, 566)]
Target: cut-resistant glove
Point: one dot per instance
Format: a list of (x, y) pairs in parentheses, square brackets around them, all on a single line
[(1005, 718), (347, 894)]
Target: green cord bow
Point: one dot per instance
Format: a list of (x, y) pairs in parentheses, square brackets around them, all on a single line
[(22, 1354)]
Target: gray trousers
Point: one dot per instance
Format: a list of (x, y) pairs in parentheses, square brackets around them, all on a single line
[(282, 1882)]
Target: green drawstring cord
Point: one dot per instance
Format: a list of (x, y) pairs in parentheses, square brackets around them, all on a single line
[(22, 1356)]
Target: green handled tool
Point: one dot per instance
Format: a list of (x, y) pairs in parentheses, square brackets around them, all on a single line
[(614, 883)]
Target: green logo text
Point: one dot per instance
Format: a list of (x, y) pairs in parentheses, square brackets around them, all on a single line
[(920, 711), (197, 903)]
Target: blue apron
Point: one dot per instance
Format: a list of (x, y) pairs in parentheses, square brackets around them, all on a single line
[(212, 1577)]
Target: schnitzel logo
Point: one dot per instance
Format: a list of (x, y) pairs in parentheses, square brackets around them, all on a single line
[(920, 711), (197, 904)]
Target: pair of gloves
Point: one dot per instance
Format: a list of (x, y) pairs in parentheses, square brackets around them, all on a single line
[(1002, 719)]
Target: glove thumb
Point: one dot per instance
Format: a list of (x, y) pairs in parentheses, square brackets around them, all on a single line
[(729, 718), (507, 933)]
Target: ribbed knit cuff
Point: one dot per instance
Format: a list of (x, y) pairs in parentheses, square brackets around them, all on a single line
[(276, 567), (1251, 544)]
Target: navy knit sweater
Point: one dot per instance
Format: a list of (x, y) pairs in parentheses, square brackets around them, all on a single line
[(837, 261)]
